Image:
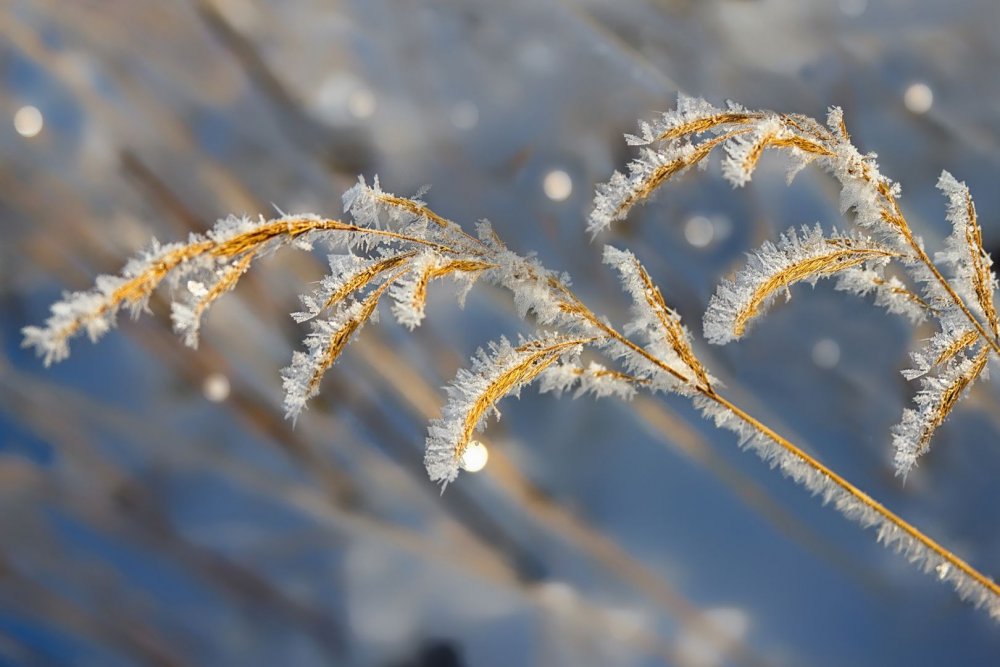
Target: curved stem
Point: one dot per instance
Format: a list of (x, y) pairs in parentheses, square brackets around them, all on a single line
[(896, 218), (990, 340)]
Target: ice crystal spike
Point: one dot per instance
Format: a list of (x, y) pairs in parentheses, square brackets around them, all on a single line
[(500, 370), (799, 257)]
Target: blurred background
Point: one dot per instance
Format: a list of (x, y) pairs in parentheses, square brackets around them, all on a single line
[(155, 508)]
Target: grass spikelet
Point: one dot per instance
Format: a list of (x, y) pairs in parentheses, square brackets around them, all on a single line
[(897, 288), (325, 344), (701, 125), (890, 292), (535, 357), (365, 276), (413, 207), (964, 249), (957, 346), (503, 370), (982, 276), (668, 169), (340, 337), (187, 317), (804, 257), (410, 295), (677, 337), (810, 268), (950, 396), (935, 401), (595, 379)]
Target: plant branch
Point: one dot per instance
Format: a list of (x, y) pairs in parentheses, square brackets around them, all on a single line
[(857, 494)]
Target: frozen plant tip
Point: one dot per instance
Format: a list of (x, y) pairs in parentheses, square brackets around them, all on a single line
[(395, 248), (773, 269)]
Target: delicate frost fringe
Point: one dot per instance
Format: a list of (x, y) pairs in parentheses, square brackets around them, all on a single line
[(297, 377), (610, 197), (908, 436), (408, 306), (739, 150), (819, 484), (927, 357), (595, 380), (889, 292), (342, 267), (733, 297), (48, 341), (95, 311), (688, 109), (958, 251), (646, 323), (446, 435)]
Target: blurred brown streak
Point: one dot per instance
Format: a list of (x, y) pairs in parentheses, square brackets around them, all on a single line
[(135, 168), (36, 600), (145, 524), (339, 150), (169, 130), (138, 508)]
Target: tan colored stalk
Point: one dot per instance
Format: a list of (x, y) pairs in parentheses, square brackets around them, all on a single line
[(439, 271), (951, 395), (895, 217), (522, 373), (959, 344), (365, 276), (859, 495), (672, 328), (342, 336), (829, 263), (803, 456), (664, 172)]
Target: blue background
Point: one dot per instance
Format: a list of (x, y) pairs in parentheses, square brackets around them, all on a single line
[(141, 523)]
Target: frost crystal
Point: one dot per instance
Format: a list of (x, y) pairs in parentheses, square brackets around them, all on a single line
[(500, 370), (937, 396), (964, 254), (595, 379), (889, 292), (804, 256)]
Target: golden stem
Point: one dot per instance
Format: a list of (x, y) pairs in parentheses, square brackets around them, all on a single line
[(897, 217), (414, 208), (583, 311), (859, 495), (952, 293)]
